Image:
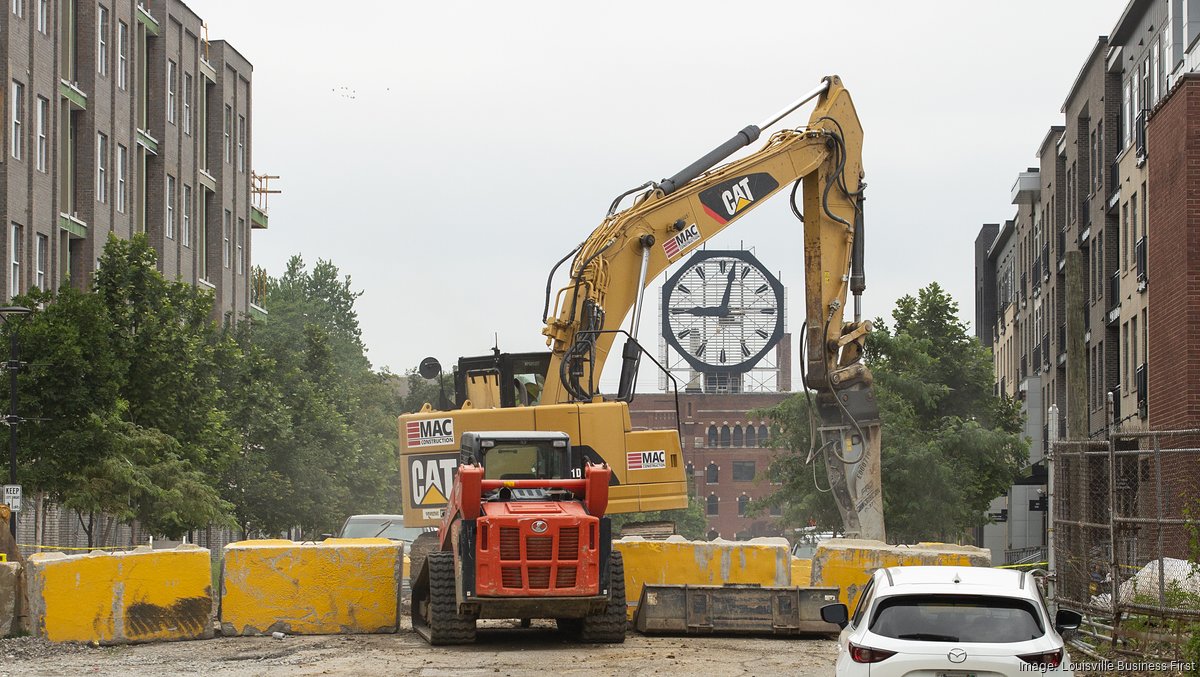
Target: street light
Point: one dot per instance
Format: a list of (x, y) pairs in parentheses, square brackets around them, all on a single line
[(12, 420)]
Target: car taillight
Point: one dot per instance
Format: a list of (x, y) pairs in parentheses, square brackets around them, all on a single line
[(1049, 659), (864, 654)]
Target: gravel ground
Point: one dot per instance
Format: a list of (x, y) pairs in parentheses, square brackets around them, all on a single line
[(502, 649)]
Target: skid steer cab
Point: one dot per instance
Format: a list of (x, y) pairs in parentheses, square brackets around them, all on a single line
[(524, 536)]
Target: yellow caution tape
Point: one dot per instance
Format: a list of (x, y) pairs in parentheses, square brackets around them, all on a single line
[(1018, 566), (3, 557), (84, 549)]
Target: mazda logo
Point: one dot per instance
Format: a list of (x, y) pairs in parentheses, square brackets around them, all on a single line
[(540, 527), (957, 655)]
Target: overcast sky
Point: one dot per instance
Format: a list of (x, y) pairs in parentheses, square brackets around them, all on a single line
[(446, 154)]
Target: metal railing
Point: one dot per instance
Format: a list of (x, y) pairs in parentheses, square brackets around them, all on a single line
[(1141, 384), (1114, 290), (1139, 133), (1139, 253), (1114, 181)]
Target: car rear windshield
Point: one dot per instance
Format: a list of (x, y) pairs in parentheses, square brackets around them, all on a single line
[(377, 528), (957, 618)]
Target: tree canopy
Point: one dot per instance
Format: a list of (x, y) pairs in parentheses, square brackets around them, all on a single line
[(950, 445)]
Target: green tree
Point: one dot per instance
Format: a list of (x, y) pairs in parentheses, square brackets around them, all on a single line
[(949, 444)]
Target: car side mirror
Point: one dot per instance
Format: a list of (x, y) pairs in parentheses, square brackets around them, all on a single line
[(325, 536), (837, 614), (1066, 619)]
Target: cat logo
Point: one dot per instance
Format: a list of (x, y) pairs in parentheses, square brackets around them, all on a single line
[(430, 478), (728, 199), (430, 432)]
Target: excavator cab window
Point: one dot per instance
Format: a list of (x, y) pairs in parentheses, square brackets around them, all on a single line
[(524, 461), (521, 376)]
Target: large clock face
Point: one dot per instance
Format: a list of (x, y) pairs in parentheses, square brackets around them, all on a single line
[(722, 311)]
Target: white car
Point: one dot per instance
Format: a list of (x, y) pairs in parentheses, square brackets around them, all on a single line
[(950, 621)]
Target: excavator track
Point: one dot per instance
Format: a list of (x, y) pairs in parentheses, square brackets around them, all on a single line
[(435, 604)]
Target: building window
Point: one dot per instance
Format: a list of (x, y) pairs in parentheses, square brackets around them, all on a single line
[(710, 474), (39, 260), (122, 55), (714, 504), (14, 272), (171, 77), (241, 240), (743, 471), (1125, 362), (228, 134), (101, 167), (241, 143), (187, 216), (712, 436), (19, 7), (743, 504), (170, 206), (1127, 115), (43, 16), (227, 252), (776, 510), (17, 105), (725, 436), (762, 436), (41, 122), (122, 168), (187, 104), (102, 40)]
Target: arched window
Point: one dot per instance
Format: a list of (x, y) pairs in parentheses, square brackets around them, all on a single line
[(724, 436), (762, 435), (713, 504), (737, 436), (743, 504), (710, 474), (690, 470), (751, 436), (713, 535), (712, 436)]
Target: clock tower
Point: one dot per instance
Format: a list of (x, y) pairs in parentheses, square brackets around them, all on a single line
[(723, 317)]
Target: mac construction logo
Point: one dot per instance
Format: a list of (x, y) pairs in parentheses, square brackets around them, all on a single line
[(645, 460), (430, 432)]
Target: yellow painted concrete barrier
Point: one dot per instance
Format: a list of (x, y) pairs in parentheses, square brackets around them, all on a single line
[(138, 596), (678, 561), (801, 572), (848, 563), (10, 596), (340, 585)]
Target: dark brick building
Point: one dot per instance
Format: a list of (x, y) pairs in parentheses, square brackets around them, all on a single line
[(724, 454), (121, 117)]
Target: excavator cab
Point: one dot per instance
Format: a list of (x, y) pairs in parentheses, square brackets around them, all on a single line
[(501, 379)]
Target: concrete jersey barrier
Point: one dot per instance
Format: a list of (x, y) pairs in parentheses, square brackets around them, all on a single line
[(337, 586), (678, 561), (10, 595), (141, 595), (847, 563)]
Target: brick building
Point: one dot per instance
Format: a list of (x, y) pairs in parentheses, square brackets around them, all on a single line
[(722, 450), (1105, 212), (121, 117)]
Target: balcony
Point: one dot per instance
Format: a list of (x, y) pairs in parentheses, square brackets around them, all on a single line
[(1062, 249), (1139, 254), (1139, 136), (1139, 377), (1114, 295), (1114, 185)]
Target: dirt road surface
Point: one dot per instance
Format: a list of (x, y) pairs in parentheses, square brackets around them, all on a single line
[(503, 649)]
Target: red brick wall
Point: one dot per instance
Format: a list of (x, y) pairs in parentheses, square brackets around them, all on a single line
[(1173, 259)]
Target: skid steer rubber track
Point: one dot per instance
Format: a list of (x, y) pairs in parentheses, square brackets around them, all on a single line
[(435, 604), (609, 625)]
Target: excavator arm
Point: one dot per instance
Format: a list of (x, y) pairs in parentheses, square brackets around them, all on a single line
[(610, 270)]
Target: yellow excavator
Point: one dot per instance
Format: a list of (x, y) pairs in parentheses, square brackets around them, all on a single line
[(606, 280)]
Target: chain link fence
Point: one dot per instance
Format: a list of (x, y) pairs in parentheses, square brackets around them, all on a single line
[(45, 526), (1125, 525)]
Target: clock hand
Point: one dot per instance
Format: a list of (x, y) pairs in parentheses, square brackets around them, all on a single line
[(699, 311), (728, 288)]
